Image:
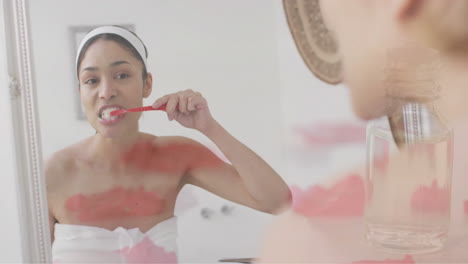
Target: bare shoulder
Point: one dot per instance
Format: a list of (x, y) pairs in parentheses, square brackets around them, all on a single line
[(190, 152), (62, 161), (287, 239), (283, 224), (187, 148), (168, 140)]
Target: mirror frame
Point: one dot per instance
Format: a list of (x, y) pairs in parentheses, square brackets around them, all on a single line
[(30, 180)]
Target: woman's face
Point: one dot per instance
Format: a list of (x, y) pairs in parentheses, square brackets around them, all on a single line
[(365, 32), (111, 78)]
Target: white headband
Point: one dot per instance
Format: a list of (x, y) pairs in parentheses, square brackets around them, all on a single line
[(124, 33)]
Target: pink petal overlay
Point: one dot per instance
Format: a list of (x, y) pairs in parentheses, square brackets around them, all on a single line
[(431, 198), (345, 198), (332, 134), (147, 252), (407, 260), (115, 203), (466, 207)]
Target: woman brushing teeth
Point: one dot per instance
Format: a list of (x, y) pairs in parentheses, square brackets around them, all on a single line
[(122, 179)]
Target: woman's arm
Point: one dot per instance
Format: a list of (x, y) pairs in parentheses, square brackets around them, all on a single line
[(54, 170), (265, 186), (249, 180)]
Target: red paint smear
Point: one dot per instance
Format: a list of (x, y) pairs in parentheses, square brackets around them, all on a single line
[(324, 134), (345, 198), (115, 203), (147, 252), (407, 260), (466, 207), (431, 199), (171, 158)]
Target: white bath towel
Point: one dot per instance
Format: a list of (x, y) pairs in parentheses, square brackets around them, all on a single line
[(88, 244)]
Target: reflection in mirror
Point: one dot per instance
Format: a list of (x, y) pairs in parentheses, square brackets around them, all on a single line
[(113, 180), (136, 178)]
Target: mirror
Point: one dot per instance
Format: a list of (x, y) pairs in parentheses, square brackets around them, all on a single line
[(239, 55), (190, 46)]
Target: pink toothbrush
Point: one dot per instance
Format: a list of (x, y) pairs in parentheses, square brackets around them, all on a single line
[(120, 112)]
